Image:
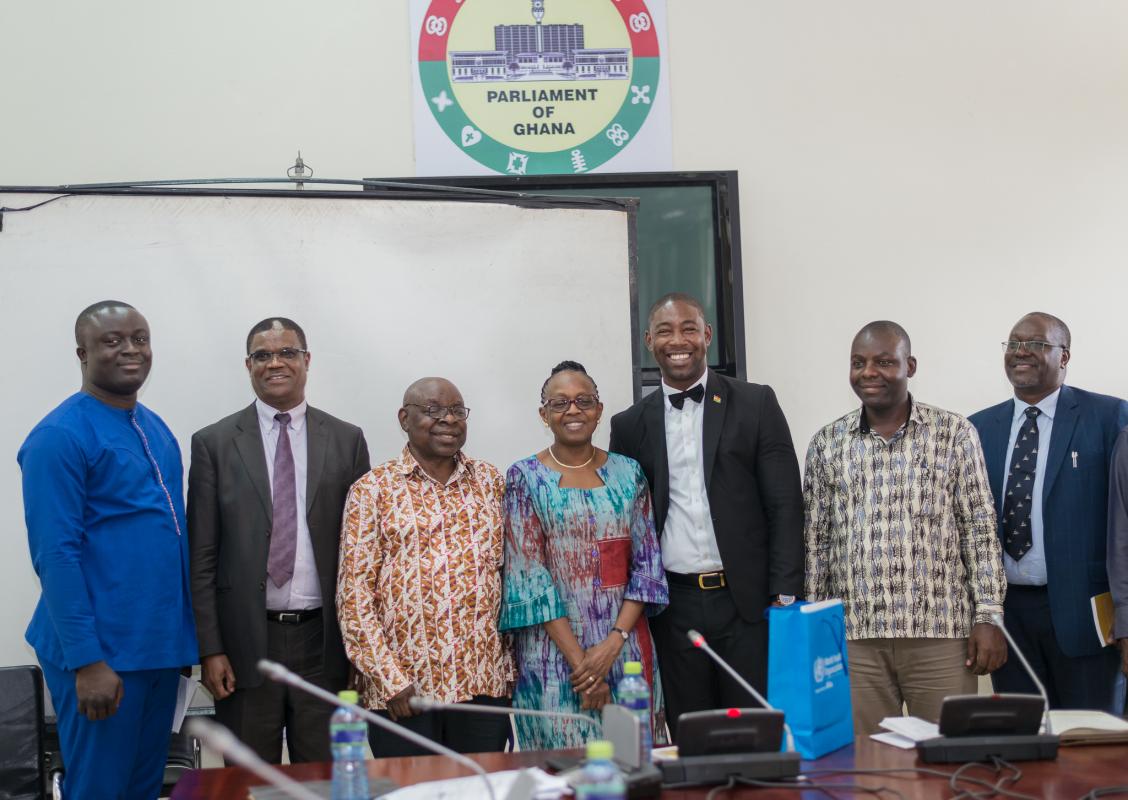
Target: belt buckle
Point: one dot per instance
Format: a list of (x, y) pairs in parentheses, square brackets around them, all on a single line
[(289, 617), (720, 584)]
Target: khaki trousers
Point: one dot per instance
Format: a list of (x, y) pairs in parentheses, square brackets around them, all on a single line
[(919, 673)]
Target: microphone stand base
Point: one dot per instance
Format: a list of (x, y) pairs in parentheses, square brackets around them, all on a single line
[(643, 782), (711, 769), (964, 749)]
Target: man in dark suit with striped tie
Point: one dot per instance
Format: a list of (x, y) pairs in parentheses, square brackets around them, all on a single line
[(1048, 453), (266, 490)]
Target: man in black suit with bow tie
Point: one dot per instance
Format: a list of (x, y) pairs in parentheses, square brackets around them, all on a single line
[(728, 506)]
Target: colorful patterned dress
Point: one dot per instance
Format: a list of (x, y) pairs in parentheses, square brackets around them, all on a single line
[(576, 553)]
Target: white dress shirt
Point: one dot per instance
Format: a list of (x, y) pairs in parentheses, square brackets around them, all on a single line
[(1030, 570), (302, 591), (689, 544)]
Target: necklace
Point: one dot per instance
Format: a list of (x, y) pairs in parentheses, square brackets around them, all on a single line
[(552, 455)]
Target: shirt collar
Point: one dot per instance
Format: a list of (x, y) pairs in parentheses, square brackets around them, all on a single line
[(1047, 405), (266, 415), (668, 390), (860, 422), (408, 466)]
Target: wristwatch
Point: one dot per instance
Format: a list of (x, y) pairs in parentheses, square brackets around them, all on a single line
[(785, 599), (621, 632)]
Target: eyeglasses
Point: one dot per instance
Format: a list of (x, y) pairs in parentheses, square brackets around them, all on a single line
[(285, 354), (440, 412), (1030, 347), (584, 402)]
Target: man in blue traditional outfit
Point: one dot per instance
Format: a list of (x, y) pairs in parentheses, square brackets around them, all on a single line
[(102, 487)]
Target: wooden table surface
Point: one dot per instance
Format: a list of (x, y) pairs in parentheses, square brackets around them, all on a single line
[(1076, 771)]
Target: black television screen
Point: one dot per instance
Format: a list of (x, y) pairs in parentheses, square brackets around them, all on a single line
[(688, 240)]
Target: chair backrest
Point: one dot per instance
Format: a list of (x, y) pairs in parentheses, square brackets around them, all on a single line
[(21, 733)]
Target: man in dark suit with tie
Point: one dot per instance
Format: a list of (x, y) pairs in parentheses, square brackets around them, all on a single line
[(1048, 453), (728, 507), (266, 490)]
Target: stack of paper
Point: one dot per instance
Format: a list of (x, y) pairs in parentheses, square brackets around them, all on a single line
[(905, 732), (1088, 727)]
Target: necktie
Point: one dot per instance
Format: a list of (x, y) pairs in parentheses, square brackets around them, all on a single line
[(677, 400), (1017, 534), (284, 530)]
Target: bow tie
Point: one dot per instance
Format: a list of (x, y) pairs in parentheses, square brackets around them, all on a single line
[(696, 394)]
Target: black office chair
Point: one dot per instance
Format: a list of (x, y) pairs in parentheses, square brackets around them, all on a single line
[(23, 768)]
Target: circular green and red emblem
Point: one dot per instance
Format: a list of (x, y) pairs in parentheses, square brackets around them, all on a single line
[(539, 86)]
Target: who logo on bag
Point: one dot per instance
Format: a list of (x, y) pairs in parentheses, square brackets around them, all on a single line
[(808, 677)]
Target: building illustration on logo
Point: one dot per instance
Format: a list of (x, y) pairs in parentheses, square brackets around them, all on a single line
[(594, 101), (540, 52)]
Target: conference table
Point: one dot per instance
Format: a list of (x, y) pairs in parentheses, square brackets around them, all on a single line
[(1076, 772)]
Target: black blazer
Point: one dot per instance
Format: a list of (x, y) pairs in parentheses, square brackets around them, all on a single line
[(229, 519), (752, 479)]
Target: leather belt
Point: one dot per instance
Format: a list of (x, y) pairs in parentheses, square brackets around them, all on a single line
[(293, 617), (706, 581)]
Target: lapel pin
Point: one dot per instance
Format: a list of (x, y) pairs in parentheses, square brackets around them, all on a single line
[(716, 398)]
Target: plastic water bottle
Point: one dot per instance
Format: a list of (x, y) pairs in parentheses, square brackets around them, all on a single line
[(347, 734), (634, 695), (600, 779)]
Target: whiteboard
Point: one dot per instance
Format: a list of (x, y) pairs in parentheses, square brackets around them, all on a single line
[(488, 294)]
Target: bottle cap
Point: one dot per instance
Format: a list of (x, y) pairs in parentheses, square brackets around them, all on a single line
[(632, 668), (600, 749), (348, 695)]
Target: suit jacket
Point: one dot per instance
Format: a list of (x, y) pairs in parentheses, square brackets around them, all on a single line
[(751, 477), (229, 519), (1074, 502)]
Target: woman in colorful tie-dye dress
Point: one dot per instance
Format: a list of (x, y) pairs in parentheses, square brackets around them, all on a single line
[(582, 570)]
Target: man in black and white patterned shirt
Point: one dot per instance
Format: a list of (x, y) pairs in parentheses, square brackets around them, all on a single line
[(900, 524)]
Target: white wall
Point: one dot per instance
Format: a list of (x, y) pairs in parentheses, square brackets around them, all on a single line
[(949, 165)]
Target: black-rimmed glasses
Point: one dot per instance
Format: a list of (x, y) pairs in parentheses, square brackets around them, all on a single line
[(584, 402), (440, 412), (285, 354), (1035, 348)]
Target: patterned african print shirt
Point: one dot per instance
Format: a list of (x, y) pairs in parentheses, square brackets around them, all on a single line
[(419, 585), (903, 531)]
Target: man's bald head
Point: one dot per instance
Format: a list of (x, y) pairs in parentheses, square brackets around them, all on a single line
[(1055, 325), (425, 389), (886, 328), (87, 315)]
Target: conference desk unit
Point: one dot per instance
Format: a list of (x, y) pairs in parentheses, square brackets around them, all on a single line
[(1076, 772)]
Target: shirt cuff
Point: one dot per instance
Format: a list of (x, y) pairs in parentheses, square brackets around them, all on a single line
[(985, 612), (645, 589), (1120, 622), (83, 655), (541, 609)]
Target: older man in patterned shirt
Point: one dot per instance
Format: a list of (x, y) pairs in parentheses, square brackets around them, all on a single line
[(419, 586), (900, 524)]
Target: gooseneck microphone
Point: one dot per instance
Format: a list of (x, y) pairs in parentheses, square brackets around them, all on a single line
[(699, 642), (228, 745), (278, 673), (997, 618), (977, 727), (616, 724)]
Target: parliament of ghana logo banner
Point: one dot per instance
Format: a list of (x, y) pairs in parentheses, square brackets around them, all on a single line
[(539, 86)]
